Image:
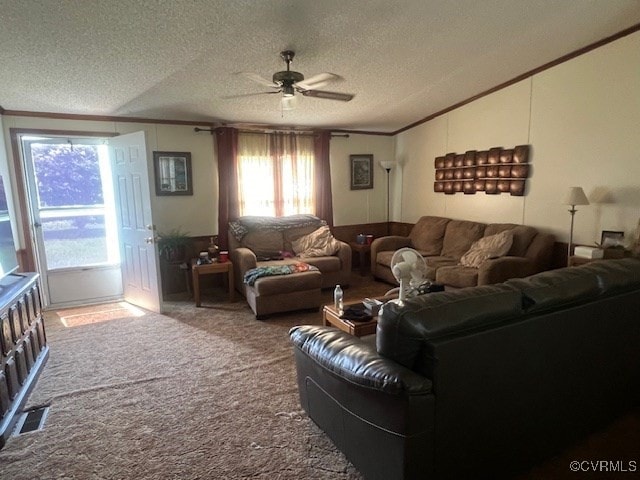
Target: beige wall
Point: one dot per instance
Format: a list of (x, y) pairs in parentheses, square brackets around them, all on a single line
[(197, 214), (581, 119), (360, 206)]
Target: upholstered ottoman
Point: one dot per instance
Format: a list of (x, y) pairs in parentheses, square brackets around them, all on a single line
[(284, 293)]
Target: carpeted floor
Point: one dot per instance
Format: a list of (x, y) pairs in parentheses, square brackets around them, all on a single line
[(197, 393), (206, 393)]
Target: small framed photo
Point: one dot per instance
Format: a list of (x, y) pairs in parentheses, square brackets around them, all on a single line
[(611, 239), (173, 173), (361, 171)]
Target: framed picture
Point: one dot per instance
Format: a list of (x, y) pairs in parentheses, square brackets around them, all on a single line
[(361, 171), (612, 239), (173, 173)]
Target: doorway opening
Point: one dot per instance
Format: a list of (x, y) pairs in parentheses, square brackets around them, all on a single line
[(73, 220)]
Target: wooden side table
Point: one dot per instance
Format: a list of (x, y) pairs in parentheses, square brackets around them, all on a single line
[(330, 317), (208, 269), (363, 250)]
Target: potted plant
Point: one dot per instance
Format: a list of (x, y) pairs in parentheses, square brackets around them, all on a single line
[(173, 245)]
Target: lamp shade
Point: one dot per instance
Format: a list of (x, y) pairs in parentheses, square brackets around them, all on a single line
[(387, 164), (575, 196)]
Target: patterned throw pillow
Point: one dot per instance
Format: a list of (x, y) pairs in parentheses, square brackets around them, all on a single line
[(493, 246), (319, 243)]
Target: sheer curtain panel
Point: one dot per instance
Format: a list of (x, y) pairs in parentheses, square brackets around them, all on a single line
[(276, 174)]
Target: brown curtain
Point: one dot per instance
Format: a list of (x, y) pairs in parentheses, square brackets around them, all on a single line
[(227, 147), (324, 204)]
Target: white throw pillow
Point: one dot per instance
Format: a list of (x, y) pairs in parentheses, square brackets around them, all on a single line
[(493, 246), (319, 243)]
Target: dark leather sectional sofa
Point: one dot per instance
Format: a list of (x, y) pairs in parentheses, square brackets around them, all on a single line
[(481, 382)]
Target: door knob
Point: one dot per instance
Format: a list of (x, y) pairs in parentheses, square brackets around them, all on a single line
[(151, 227), (150, 240)]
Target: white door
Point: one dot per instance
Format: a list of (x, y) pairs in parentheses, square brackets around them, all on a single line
[(139, 257)]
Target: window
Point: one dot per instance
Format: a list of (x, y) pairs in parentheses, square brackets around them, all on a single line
[(275, 174), (71, 201)]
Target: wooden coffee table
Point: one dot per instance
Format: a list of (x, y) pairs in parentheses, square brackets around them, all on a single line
[(330, 317)]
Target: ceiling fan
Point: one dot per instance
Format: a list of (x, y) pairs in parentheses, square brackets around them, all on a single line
[(288, 82)]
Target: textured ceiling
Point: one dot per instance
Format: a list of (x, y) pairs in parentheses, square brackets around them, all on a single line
[(178, 59)]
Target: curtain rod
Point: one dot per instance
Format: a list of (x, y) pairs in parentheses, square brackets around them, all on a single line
[(298, 132)]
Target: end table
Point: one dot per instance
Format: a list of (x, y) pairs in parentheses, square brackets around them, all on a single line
[(364, 249), (208, 269)]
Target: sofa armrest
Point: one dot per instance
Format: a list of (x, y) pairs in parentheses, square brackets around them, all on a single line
[(497, 270), (357, 362), (541, 251), (243, 259)]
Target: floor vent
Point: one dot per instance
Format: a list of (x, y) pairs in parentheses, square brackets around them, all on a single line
[(31, 420)]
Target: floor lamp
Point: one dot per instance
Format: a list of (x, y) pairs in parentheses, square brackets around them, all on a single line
[(387, 165), (575, 196)]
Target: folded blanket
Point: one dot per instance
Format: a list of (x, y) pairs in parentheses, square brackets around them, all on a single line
[(243, 225), (254, 274)]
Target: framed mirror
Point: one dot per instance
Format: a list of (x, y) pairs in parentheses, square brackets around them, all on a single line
[(173, 173)]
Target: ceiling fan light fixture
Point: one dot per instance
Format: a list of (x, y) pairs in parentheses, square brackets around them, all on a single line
[(288, 91), (288, 103)]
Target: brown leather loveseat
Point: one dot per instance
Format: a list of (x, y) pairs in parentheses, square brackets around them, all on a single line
[(443, 242)]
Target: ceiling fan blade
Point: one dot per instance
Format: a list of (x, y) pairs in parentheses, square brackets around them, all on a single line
[(342, 97), (259, 79), (318, 80), (248, 94)]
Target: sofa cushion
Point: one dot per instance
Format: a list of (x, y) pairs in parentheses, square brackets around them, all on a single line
[(294, 282), (459, 236), (318, 243), (436, 262), (325, 264), (403, 330), (556, 287), (427, 235), (615, 275), (384, 258), (522, 236), (493, 246), (265, 243), (457, 276), (292, 234)]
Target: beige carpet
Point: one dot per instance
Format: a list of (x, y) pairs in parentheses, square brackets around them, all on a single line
[(209, 394), (201, 393)]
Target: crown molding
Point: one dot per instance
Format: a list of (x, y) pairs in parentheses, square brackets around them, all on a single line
[(530, 73), (105, 118)]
